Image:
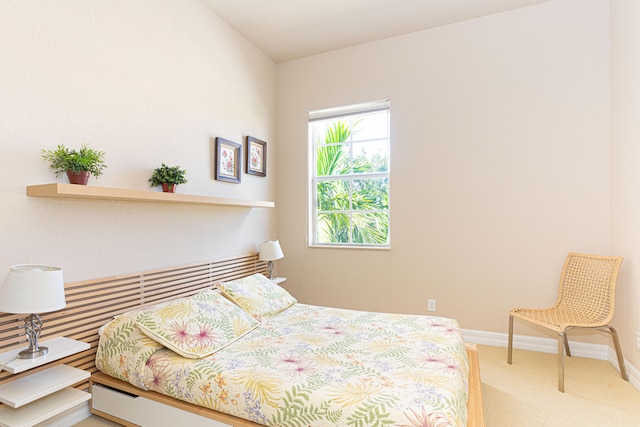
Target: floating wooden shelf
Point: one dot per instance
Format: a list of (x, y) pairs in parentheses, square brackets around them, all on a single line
[(73, 191)]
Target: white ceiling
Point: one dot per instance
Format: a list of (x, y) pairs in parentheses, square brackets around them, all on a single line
[(291, 29)]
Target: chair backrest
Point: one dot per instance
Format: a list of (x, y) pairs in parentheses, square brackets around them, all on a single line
[(587, 287)]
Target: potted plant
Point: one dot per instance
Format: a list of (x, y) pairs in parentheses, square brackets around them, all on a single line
[(168, 177), (78, 164)]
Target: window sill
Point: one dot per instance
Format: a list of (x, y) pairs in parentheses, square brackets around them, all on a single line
[(375, 248)]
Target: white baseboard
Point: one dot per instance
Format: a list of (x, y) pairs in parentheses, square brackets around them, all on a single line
[(548, 345)]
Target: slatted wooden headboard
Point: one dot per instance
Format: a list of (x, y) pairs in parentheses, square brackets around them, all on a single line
[(91, 303)]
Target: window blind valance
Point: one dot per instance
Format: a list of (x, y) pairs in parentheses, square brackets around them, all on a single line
[(334, 112)]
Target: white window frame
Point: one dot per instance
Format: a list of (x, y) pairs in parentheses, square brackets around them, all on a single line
[(335, 113)]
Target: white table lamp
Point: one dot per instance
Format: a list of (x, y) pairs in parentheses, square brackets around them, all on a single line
[(32, 289), (270, 251)]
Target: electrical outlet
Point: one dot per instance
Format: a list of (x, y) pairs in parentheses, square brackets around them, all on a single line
[(431, 305)]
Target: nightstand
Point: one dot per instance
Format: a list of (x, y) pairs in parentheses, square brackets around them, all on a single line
[(42, 395)]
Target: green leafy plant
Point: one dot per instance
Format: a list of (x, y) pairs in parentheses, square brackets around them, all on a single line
[(367, 196), (168, 175), (64, 159)]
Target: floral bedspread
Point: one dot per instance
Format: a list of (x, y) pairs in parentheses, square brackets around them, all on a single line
[(310, 366)]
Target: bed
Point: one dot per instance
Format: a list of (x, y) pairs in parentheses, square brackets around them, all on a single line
[(246, 353)]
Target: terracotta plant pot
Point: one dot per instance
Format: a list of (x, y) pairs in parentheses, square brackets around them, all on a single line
[(169, 188), (81, 177)]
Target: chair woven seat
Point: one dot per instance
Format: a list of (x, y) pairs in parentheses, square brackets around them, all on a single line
[(585, 300), (558, 319)]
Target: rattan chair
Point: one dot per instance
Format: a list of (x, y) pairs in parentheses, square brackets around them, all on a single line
[(585, 300)]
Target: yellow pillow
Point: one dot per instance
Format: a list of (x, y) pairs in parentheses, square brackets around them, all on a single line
[(197, 326), (260, 297)]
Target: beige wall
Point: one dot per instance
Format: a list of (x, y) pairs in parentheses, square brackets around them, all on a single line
[(625, 95), (501, 149), (147, 81), (500, 162)]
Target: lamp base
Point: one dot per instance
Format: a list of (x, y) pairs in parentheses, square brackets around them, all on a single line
[(33, 352), (32, 328), (270, 266)]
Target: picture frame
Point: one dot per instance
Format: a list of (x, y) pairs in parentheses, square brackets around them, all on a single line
[(228, 160), (256, 161)]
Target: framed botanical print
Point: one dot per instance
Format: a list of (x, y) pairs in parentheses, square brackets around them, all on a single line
[(256, 157), (228, 160)]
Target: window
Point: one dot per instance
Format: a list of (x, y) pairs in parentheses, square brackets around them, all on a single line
[(349, 164)]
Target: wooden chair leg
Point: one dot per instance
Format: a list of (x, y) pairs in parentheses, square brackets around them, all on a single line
[(616, 343), (561, 341), (510, 347)]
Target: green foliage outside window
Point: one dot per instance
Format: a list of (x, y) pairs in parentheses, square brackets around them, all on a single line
[(352, 186)]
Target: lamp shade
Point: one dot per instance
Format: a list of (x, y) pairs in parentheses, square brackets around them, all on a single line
[(32, 289), (270, 250)]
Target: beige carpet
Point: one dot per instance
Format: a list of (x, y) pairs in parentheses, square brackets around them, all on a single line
[(525, 394)]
